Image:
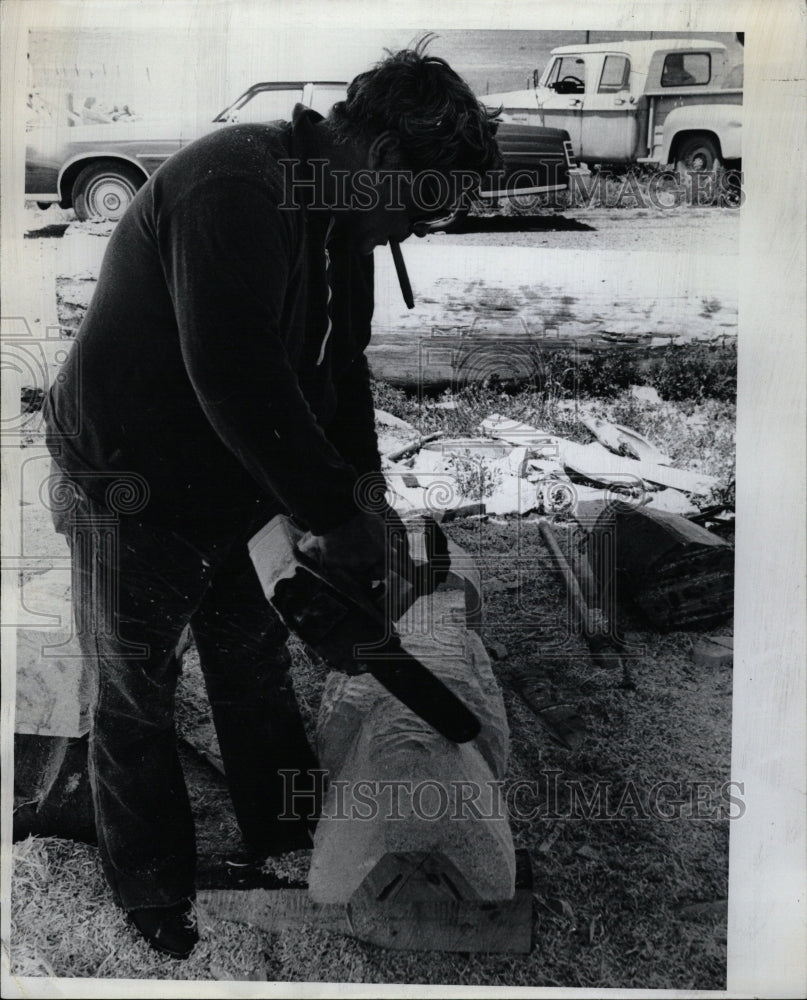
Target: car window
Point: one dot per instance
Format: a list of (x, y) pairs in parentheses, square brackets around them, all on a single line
[(686, 69), (568, 75), (326, 95), (266, 106), (615, 73)]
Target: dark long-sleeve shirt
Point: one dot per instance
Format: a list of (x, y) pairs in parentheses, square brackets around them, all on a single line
[(205, 362)]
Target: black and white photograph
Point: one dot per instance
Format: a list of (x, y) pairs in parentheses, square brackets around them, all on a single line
[(403, 540)]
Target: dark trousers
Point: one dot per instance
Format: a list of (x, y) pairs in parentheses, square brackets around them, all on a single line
[(135, 588)]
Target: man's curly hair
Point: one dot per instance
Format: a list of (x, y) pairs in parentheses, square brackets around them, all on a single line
[(438, 120)]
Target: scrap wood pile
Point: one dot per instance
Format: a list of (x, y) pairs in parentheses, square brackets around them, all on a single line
[(635, 523), (513, 468)]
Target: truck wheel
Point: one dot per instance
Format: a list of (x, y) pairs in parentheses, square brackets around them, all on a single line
[(104, 190), (697, 154)]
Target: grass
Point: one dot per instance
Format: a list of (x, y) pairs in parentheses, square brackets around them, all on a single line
[(64, 924)]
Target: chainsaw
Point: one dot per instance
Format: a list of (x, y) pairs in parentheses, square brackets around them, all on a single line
[(353, 631)]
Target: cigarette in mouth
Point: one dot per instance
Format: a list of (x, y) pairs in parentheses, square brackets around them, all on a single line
[(403, 277)]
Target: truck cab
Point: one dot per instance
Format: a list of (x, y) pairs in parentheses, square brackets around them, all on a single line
[(665, 100)]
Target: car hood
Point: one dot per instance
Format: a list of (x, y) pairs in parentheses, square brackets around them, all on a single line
[(511, 99)]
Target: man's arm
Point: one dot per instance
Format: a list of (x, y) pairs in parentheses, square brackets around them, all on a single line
[(352, 426), (229, 256), (352, 429)]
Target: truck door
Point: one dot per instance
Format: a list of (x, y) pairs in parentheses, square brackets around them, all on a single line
[(560, 96), (609, 118)]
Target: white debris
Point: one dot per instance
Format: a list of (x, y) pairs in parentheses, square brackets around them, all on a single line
[(624, 441), (517, 461), (513, 496), (514, 431), (645, 394), (597, 463), (673, 501), (540, 468)]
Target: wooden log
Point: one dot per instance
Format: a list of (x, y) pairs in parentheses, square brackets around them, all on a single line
[(408, 359), (679, 574), (430, 359), (398, 790)]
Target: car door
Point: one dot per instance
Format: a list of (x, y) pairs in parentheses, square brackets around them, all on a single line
[(560, 96), (609, 118)]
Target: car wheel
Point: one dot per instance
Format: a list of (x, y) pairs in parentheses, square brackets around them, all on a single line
[(698, 155), (105, 190)]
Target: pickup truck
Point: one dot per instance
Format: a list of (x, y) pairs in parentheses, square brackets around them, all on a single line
[(97, 168), (665, 101)]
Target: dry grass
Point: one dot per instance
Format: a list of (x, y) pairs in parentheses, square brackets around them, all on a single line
[(64, 924)]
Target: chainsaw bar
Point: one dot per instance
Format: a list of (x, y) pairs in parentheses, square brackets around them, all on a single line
[(352, 636)]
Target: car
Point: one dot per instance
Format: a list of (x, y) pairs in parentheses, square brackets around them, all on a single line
[(97, 168)]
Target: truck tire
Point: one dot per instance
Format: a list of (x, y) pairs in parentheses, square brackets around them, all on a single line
[(697, 154), (105, 189)]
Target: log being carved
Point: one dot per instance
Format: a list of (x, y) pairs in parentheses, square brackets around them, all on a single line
[(410, 815)]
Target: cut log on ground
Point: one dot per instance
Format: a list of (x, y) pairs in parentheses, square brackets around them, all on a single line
[(434, 806), (680, 575), (432, 361)]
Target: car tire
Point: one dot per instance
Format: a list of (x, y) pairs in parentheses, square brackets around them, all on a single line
[(104, 190), (698, 154)]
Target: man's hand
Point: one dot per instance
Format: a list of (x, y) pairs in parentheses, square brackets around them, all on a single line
[(365, 548)]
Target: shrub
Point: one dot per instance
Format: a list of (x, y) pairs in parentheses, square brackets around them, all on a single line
[(602, 377), (698, 372)]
